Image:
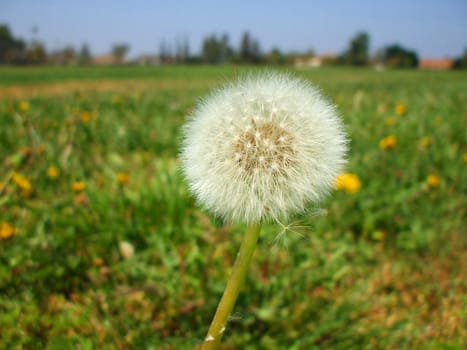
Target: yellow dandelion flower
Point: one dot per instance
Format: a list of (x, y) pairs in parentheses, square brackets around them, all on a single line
[(400, 109), (388, 142), (438, 121), (123, 178), (22, 182), (390, 121), (23, 106), (116, 99), (432, 180), (423, 142), (85, 116), (347, 182), (53, 172), (78, 186), (463, 156), (6, 230)]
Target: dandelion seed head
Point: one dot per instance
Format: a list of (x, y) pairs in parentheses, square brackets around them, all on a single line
[(262, 148)]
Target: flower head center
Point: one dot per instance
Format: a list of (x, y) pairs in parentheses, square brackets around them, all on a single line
[(265, 146)]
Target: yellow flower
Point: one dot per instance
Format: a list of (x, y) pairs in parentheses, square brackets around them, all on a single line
[(6, 230), (388, 142), (123, 178), (22, 183), (423, 143), (53, 172), (78, 186), (347, 182), (23, 106), (116, 99), (465, 157), (400, 109), (85, 116), (432, 180), (390, 121)]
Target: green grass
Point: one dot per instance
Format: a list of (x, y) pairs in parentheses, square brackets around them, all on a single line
[(384, 269)]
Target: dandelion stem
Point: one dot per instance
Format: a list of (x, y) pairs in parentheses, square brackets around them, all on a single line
[(235, 282)]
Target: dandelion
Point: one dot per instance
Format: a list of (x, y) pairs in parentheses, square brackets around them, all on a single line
[(116, 99), (23, 106), (423, 143), (259, 150), (464, 156), (432, 181), (388, 142), (6, 230), (78, 186), (122, 178), (126, 249), (262, 149), (347, 182), (22, 183), (85, 116), (53, 172), (390, 121), (400, 109)]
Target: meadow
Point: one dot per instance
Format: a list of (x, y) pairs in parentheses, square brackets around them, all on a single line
[(103, 247)]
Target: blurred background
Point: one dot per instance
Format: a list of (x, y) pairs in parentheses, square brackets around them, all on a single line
[(426, 34), (103, 247)]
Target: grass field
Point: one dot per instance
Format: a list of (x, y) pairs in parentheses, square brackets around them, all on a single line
[(103, 247)]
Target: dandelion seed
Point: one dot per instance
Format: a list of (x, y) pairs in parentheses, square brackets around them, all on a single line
[(349, 183), (6, 230), (432, 181), (53, 172), (388, 142), (126, 249), (279, 162), (78, 186)]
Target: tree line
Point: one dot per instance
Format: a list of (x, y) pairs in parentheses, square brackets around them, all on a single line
[(215, 49)]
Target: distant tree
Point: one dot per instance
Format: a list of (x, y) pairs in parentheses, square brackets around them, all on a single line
[(461, 62), (249, 51), (275, 57), (182, 50), (36, 53), (68, 55), (216, 50), (12, 50), (398, 57), (84, 55), (357, 53), (120, 51)]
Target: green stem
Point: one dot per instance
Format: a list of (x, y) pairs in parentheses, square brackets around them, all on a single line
[(236, 279)]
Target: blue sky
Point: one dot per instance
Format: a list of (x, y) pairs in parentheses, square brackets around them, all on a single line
[(434, 28)]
